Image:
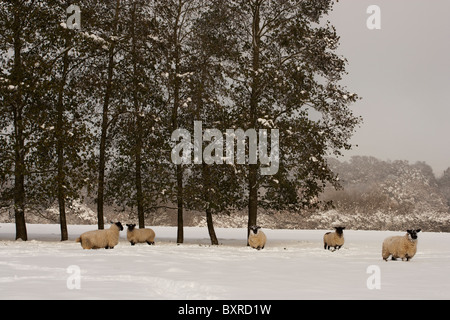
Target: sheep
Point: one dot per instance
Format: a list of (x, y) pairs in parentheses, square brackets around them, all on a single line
[(140, 235), (99, 239), (334, 239), (257, 239), (404, 247)]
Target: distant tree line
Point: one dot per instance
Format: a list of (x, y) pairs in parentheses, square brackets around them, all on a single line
[(371, 185), (89, 106)]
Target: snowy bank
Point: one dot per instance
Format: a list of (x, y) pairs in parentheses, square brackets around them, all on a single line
[(293, 266)]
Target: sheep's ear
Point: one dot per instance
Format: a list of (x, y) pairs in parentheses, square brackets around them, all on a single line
[(418, 230), (409, 231)]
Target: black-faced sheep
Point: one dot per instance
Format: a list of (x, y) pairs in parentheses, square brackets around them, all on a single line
[(101, 239), (257, 239), (140, 235), (334, 239), (401, 247)]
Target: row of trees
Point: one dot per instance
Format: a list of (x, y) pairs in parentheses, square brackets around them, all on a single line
[(392, 187), (91, 106)]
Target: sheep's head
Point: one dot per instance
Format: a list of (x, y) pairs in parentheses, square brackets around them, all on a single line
[(413, 234), (131, 227), (117, 224), (339, 230), (255, 229)]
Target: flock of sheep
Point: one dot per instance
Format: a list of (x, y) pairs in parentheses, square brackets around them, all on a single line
[(108, 239), (399, 247)]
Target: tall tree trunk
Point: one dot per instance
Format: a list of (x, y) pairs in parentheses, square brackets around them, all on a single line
[(60, 186), (179, 168), (19, 176), (206, 169), (138, 117), (19, 140), (140, 195), (180, 222), (60, 136), (207, 194), (60, 179), (253, 185), (101, 166), (176, 106), (104, 134)]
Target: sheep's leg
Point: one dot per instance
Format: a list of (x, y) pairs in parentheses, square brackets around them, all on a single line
[(132, 243), (152, 243)]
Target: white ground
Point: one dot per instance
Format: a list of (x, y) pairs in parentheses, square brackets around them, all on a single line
[(294, 265)]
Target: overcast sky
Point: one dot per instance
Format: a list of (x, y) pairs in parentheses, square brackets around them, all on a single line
[(402, 72)]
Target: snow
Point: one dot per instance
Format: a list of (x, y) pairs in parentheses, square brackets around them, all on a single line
[(93, 37), (266, 123), (293, 266)]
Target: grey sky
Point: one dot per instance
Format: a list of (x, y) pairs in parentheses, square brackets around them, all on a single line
[(403, 74)]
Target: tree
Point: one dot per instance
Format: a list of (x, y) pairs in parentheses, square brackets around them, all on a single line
[(107, 24), (175, 19), (14, 108), (22, 47), (211, 187), (64, 141), (286, 77), (138, 176), (444, 185)]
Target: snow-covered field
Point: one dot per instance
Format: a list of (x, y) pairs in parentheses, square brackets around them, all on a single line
[(294, 265)]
